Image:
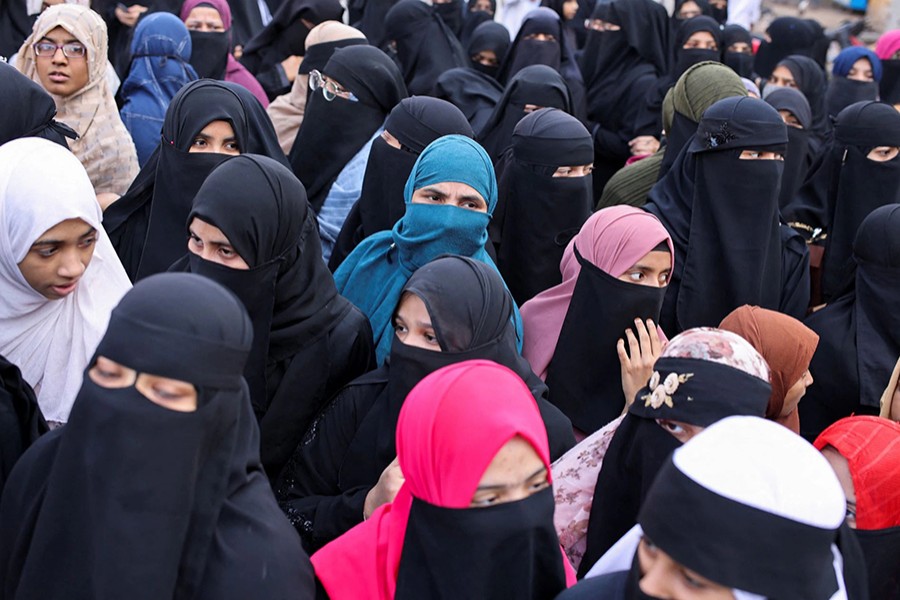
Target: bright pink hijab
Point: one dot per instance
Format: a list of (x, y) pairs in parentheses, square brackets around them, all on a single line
[(234, 71), (443, 453), (613, 239), (888, 44)]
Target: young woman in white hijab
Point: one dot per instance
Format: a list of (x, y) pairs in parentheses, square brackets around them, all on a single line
[(59, 274)]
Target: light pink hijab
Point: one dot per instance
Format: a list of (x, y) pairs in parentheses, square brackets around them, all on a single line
[(613, 239)]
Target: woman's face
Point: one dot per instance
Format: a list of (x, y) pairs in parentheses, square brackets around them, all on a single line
[(56, 261), (570, 8), (703, 40), (652, 270), (515, 473), (740, 48), (680, 430), (795, 393), (172, 394), (217, 137), (842, 470), (483, 6), (782, 77), (574, 170), (451, 193), (689, 10), (412, 324), (662, 577), (204, 18), (60, 74), (209, 243), (488, 58), (789, 119), (861, 71)]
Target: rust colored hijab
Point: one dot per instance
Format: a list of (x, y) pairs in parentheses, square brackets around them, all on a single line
[(787, 345)]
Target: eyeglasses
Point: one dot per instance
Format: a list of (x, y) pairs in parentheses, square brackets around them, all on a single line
[(330, 90), (70, 50)]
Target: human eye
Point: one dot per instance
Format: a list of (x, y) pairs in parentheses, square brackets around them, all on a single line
[(636, 275), (486, 500), (45, 47), (89, 241), (233, 146), (650, 546), (671, 427), (46, 251), (400, 327), (196, 241), (227, 252), (74, 49), (199, 142), (664, 277), (430, 338)]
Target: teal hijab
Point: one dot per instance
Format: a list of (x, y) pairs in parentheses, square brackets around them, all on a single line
[(374, 274)]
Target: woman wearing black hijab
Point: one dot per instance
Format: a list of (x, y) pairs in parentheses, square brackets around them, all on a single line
[(487, 48), (283, 38), (478, 12), (308, 340), (544, 186), (146, 225), (737, 50), (425, 47), (475, 94), (626, 52), (35, 110), (859, 332), (154, 488), (807, 76), (451, 13), (719, 202), (791, 104), (541, 41), (452, 310), (534, 87), (696, 41), (21, 421), (786, 36), (857, 171), (412, 125)]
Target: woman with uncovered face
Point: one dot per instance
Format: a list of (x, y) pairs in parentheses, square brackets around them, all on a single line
[(154, 489), (474, 516), (308, 340), (66, 54), (451, 310), (59, 275)]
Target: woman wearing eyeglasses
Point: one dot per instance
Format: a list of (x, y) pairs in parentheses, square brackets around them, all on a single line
[(350, 99), (66, 54)]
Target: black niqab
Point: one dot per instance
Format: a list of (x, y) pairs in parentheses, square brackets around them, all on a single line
[(722, 214), (556, 54), (426, 47), (35, 112), (333, 131), (889, 86), (209, 53), (474, 18), (474, 93), (21, 421), (537, 214), (798, 157), (134, 500), (451, 13), (842, 92), (146, 225), (539, 85), (788, 35), (810, 79), (490, 36), (740, 62)]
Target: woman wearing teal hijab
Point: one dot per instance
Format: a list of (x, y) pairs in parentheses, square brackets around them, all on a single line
[(450, 196)]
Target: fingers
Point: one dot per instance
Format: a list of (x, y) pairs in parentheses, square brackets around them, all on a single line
[(644, 337), (655, 343), (623, 356), (634, 348)]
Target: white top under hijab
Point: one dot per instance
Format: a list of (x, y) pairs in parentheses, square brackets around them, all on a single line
[(51, 341)]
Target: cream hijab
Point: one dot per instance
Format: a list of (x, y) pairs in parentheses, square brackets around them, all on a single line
[(104, 146), (51, 341)]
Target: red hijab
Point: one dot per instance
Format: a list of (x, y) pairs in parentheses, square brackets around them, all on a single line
[(443, 452)]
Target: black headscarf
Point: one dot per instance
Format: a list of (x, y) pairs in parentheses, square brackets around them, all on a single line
[(286, 34), (639, 448), (612, 60), (146, 225), (425, 45), (318, 55), (488, 36), (451, 13), (859, 331), (372, 21), (537, 214), (415, 122), (703, 5), (798, 158), (35, 110), (21, 421), (788, 35), (889, 86), (15, 26), (524, 52), (474, 18), (539, 85), (722, 214), (810, 79), (333, 131), (843, 186), (741, 62), (134, 500), (470, 311), (474, 93)]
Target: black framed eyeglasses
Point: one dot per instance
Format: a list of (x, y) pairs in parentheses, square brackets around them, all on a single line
[(70, 49)]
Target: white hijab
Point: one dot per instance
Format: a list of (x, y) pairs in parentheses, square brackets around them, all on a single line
[(51, 341)]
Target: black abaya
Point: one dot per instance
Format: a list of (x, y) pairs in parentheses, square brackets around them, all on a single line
[(798, 158), (21, 421), (474, 93), (36, 109)]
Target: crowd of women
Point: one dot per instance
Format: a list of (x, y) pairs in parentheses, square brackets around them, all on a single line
[(561, 299)]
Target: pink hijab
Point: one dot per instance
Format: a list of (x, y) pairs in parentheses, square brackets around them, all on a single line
[(613, 239), (234, 71), (443, 453), (888, 44)]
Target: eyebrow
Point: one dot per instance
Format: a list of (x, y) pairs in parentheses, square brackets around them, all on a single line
[(90, 231), (213, 242), (68, 40), (646, 268), (206, 136), (482, 488)]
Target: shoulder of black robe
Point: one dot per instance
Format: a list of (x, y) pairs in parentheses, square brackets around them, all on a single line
[(21, 421), (474, 93), (492, 36), (425, 45), (205, 525), (318, 155), (15, 26), (798, 157), (372, 21), (285, 35), (610, 586), (36, 110), (556, 54), (172, 175), (537, 214), (539, 85), (415, 122)]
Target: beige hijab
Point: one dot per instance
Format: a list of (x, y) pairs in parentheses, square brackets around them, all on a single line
[(888, 396), (104, 146), (287, 110)]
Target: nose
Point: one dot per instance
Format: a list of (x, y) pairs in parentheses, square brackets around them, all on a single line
[(59, 57), (71, 266)]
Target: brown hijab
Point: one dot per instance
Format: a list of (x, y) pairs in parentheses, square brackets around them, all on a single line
[(787, 345)]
